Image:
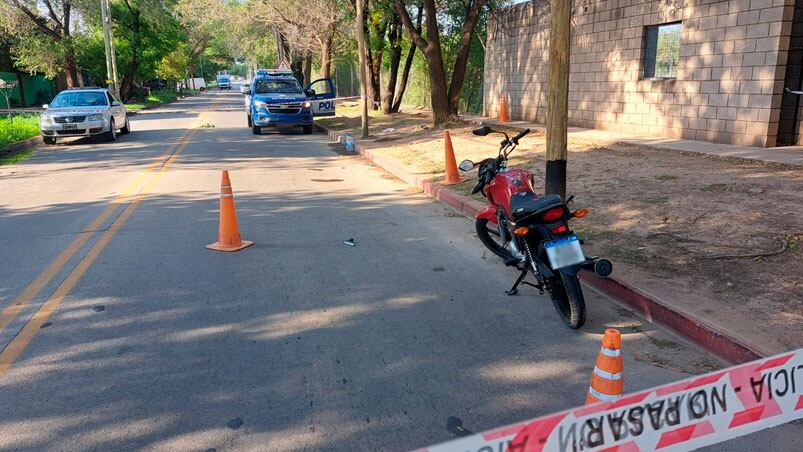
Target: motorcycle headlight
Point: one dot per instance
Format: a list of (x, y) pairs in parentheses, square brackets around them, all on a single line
[(307, 104), (94, 118), (260, 104)]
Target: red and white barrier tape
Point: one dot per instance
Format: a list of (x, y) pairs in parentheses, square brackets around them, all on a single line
[(689, 414)]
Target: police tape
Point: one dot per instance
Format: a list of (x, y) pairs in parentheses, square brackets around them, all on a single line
[(689, 414)]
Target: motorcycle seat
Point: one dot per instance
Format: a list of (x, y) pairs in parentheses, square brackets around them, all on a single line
[(525, 204)]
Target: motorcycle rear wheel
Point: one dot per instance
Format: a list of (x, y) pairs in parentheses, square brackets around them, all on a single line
[(567, 296), (481, 225)]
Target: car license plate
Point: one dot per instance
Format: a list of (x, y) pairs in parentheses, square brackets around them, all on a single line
[(564, 252), (69, 126)]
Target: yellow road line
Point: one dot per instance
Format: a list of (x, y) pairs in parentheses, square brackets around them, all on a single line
[(21, 341)]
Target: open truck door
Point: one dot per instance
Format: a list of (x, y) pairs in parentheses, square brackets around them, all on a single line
[(321, 94)]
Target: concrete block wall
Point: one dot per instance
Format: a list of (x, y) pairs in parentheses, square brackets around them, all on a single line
[(729, 78)]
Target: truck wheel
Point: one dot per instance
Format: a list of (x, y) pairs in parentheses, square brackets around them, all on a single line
[(257, 130), (307, 129)]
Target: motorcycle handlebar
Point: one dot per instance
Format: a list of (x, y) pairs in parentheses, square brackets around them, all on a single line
[(520, 135)]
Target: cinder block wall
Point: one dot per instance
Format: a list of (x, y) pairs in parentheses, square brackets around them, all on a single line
[(729, 77)]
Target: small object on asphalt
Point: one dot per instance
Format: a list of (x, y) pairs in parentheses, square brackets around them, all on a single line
[(235, 423), (455, 426), (327, 180), (46, 324), (345, 381), (439, 269), (99, 308), (350, 242)]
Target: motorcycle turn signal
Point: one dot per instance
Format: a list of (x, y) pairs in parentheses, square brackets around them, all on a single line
[(580, 213)]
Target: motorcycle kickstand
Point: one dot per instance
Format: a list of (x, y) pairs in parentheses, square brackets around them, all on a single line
[(520, 280), (514, 290)]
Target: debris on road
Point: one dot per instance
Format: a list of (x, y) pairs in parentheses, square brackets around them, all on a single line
[(350, 242), (235, 423)]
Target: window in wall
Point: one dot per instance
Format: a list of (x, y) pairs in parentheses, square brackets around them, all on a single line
[(661, 50)]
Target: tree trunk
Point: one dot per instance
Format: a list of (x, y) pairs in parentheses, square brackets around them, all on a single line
[(360, 21), (326, 57), (441, 112), (377, 34), (297, 66), (408, 64), (71, 70), (557, 97), (394, 35), (307, 69), (461, 59)]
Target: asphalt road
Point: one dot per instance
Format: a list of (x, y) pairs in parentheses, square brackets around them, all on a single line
[(119, 330)]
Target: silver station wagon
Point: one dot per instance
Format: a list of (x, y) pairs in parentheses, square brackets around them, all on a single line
[(83, 112)]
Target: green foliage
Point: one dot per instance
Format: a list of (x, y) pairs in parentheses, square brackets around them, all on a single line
[(16, 157), (173, 66), (18, 128), (156, 97), (34, 52)]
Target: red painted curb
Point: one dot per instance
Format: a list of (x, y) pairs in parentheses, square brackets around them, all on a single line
[(720, 343)]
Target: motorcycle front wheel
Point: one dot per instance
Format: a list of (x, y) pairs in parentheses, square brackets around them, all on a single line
[(489, 236), (567, 296)]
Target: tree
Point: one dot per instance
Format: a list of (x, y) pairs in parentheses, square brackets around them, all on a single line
[(45, 33), (445, 101), (392, 99), (360, 22)]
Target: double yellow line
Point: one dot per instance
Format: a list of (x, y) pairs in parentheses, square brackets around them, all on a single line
[(134, 195)]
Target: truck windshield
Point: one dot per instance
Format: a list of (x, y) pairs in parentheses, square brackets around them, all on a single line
[(80, 99), (277, 86)]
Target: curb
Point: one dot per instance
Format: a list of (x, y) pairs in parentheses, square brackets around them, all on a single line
[(21, 145), (687, 325)]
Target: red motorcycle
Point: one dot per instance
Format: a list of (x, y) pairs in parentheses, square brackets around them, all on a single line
[(531, 232)]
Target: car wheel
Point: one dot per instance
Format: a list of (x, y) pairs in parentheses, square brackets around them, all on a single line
[(49, 140), (111, 135), (307, 129), (249, 121), (126, 128), (257, 130)]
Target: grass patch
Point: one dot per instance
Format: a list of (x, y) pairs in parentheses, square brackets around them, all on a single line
[(16, 157), (18, 128), (157, 97)]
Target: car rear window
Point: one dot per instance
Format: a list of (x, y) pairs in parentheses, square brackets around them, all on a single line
[(80, 99), (289, 85)]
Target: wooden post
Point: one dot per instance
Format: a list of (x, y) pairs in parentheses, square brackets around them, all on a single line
[(363, 65), (557, 101)]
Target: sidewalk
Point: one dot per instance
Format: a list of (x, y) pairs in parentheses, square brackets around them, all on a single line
[(710, 246), (789, 155)]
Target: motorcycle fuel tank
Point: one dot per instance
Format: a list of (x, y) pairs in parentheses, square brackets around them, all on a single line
[(506, 184)]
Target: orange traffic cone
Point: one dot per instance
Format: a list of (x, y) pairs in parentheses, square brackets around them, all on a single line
[(452, 176), (607, 383), (228, 237), (503, 109)]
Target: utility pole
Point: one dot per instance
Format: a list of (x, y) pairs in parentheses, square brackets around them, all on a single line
[(557, 100), (363, 65), (108, 42)]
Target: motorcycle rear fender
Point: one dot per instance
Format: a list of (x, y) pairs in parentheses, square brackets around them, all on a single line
[(488, 213), (571, 270)]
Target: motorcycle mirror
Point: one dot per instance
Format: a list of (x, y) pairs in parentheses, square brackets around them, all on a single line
[(466, 165), (482, 131)]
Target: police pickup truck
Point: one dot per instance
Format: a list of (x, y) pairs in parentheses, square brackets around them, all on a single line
[(275, 99)]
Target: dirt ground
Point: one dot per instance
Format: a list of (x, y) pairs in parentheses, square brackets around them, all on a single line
[(722, 239)]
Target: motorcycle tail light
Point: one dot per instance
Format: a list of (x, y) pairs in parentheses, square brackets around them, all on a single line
[(559, 229), (552, 214)]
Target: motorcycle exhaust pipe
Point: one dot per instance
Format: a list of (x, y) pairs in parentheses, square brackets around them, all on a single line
[(602, 267)]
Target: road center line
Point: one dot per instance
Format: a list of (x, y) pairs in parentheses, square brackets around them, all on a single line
[(133, 191)]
